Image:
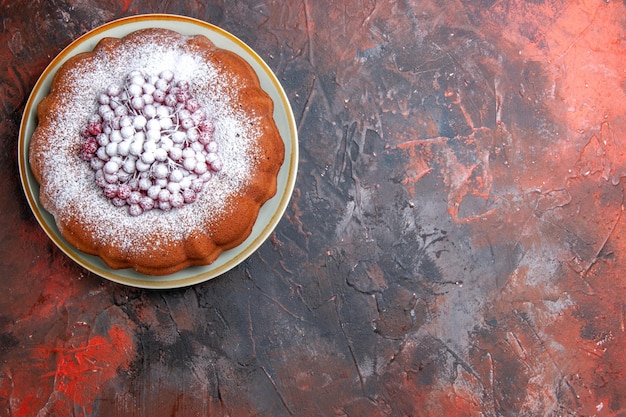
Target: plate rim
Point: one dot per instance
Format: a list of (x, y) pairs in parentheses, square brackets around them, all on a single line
[(201, 273)]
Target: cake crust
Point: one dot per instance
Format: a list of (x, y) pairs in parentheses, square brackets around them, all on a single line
[(158, 242)]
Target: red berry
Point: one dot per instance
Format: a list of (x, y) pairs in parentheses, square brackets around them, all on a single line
[(165, 205), (205, 137), (146, 203), (197, 185), (177, 200), (189, 195), (134, 197), (89, 148), (90, 145), (135, 210), (192, 105), (100, 180), (94, 128), (110, 190), (207, 126), (182, 96), (186, 123), (123, 191), (170, 100)]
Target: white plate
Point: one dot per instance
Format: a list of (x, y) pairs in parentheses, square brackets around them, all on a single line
[(270, 213)]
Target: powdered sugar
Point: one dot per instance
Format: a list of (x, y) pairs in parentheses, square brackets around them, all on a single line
[(70, 180)]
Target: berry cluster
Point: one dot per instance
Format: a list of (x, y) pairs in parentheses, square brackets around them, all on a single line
[(150, 143)]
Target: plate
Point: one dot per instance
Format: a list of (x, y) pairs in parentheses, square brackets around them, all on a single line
[(271, 212)]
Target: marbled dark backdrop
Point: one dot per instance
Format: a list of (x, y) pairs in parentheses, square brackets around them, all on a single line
[(453, 246)]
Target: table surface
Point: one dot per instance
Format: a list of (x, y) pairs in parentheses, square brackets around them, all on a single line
[(453, 246)]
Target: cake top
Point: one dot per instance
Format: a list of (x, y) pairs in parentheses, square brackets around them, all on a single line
[(77, 183)]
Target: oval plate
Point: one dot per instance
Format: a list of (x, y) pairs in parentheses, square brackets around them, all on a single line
[(270, 213)]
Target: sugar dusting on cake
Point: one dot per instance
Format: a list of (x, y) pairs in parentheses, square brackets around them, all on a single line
[(71, 180)]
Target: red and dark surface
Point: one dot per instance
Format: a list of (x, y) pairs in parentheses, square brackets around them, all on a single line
[(453, 246)]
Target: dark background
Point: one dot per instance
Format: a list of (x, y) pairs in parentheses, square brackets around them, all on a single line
[(453, 246)]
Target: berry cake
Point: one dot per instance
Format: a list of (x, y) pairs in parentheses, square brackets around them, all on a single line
[(155, 151)]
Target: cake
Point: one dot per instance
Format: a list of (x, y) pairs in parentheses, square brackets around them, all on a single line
[(155, 151)]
